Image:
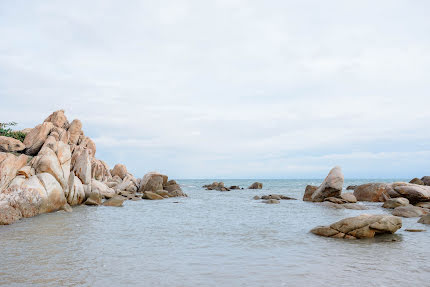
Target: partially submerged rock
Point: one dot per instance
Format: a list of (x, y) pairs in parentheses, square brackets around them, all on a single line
[(277, 197), (348, 197), (310, 189), (117, 200), (409, 211), (331, 186), (256, 185), (413, 192), (271, 201), (216, 186), (363, 226), (395, 202), (151, 195), (374, 192), (425, 219)]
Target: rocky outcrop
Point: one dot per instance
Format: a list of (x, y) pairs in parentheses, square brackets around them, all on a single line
[(395, 202), (60, 170), (8, 144), (256, 185), (363, 226), (374, 192), (331, 186), (310, 189)]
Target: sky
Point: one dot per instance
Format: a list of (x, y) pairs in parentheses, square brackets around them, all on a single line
[(228, 89)]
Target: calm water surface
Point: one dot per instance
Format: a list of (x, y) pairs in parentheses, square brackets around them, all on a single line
[(209, 239)]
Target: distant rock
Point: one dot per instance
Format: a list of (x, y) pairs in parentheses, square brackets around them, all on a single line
[(331, 186), (8, 144), (363, 226), (256, 197), (351, 187), (409, 211), (395, 202), (216, 186), (417, 181), (277, 197), (310, 189), (234, 187), (256, 185)]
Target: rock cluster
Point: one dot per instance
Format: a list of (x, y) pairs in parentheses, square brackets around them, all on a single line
[(273, 198), (363, 226), (58, 168), (221, 187)]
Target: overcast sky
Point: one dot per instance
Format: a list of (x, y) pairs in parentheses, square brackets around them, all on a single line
[(228, 89)]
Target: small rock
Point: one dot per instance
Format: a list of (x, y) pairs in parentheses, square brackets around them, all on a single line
[(256, 185), (351, 187), (348, 197), (271, 201), (415, 230), (117, 200), (395, 202), (256, 197), (425, 219), (151, 195)]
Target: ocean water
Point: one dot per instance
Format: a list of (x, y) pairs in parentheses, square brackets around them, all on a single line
[(211, 238)]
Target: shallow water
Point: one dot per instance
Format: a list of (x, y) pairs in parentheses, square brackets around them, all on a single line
[(211, 238)]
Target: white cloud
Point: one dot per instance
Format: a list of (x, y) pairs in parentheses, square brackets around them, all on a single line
[(227, 88)]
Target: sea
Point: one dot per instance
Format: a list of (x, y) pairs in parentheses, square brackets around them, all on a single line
[(211, 238)]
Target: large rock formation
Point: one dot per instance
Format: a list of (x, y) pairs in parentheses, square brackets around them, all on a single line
[(413, 192), (61, 170), (331, 186), (363, 226)]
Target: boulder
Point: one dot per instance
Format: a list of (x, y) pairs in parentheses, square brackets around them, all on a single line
[(74, 130), (374, 192), (417, 181), (102, 189), (9, 166), (152, 181), (88, 144), (348, 197), (58, 119), (151, 195), (395, 202), (425, 219), (99, 169), (426, 180), (310, 189), (39, 194), (409, 211), (35, 139), (363, 226), (331, 186), (117, 200), (413, 192), (8, 144), (256, 185), (75, 193), (94, 198), (163, 193), (81, 165), (119, 170)]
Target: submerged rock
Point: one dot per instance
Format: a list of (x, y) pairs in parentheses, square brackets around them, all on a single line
[(363, 226), (331, 186)]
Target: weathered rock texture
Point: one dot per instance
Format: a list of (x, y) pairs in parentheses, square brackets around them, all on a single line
[(363, 226)]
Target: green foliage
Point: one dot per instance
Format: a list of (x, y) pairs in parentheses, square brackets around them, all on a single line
[(6, 131)]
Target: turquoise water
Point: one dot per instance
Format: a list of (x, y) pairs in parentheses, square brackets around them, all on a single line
[(211, 238)]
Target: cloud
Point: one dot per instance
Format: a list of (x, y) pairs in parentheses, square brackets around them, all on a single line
[(227, 88)]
